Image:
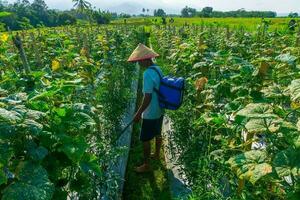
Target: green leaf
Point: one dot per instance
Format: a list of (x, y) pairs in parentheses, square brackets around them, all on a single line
[(273, 92), (39, 105), (32, 184), (9, 116), (31, 126), (286, 58), (75, 81), (297, 142), (3, 178), (34, 114), (250, 165), (73, 147), (89, 164), (257, 110), (28, 113), (7, 131), (60, 111), (214, 119), (262, 125), (83, 121), (5, 14), (294, 90), (6, 153), (298, 125), (287, 162), (39, 153), (260, 171)]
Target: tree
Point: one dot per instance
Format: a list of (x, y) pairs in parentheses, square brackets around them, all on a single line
[(39, 5), (82, 5), (102, 17), (40, 9), (124, 15), (143, 10), (207, 11), (66, 19), (159, 13), (293, 15), (188, 12), (24, 23)]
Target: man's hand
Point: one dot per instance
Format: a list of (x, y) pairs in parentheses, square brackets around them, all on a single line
[(145, 104), (137, 117)]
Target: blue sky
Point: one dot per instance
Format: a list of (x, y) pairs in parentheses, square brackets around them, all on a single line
[(280, 6)]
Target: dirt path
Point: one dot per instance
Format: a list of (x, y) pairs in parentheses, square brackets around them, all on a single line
[(153, 185)]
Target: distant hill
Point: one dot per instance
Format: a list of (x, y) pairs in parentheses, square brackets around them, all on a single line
[(135, 7), (282, 14), (132, 7), (127, 7)]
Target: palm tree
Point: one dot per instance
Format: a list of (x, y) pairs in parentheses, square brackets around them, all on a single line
[(82, 5)]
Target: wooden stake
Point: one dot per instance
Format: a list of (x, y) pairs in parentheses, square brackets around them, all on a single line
[(18, 43), (298, 36)]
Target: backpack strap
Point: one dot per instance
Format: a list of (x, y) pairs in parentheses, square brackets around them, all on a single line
[(160, 76)]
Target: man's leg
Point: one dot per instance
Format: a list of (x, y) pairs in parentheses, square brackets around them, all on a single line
[(158, 139), (158, 142), (146, 165), (147, 151)]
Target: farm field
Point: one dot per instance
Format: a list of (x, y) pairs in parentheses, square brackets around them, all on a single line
[(62, 100), (247, 23), (237, 133), (64, 92)]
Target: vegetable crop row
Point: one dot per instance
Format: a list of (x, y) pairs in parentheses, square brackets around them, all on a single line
[(63, 93), (237, 132)]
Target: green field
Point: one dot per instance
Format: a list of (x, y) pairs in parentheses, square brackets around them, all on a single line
[(65, 92), (248, 23)]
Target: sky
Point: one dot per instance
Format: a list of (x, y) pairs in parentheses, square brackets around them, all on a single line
[(174, 6)]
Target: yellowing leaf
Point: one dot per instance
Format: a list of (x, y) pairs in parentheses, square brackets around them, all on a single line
[(295, 105), (4, 37), (55, 65), (264, 67), (251, 165), (203, 47), (184, 46), (45, 81), (200, 83), (84, 51), (100, 38)]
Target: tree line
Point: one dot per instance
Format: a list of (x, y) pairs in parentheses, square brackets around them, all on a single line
[(210, 12), (25, 15)]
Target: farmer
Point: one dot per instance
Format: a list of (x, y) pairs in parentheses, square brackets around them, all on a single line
[(149, 111)]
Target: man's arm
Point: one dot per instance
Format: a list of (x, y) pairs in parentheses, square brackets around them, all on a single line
[(146, 101)]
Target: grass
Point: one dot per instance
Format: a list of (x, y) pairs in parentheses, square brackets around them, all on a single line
[(148, 186), (248, 23)]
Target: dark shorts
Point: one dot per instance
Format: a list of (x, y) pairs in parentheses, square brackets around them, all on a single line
[(151, 128)]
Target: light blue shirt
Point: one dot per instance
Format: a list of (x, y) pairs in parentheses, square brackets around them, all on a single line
[(151, 80)]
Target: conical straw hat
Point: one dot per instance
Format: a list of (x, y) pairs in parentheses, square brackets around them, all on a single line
[(142, 53)]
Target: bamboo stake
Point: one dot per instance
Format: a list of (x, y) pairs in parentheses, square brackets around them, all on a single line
[(18, 43), (298, 36)]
